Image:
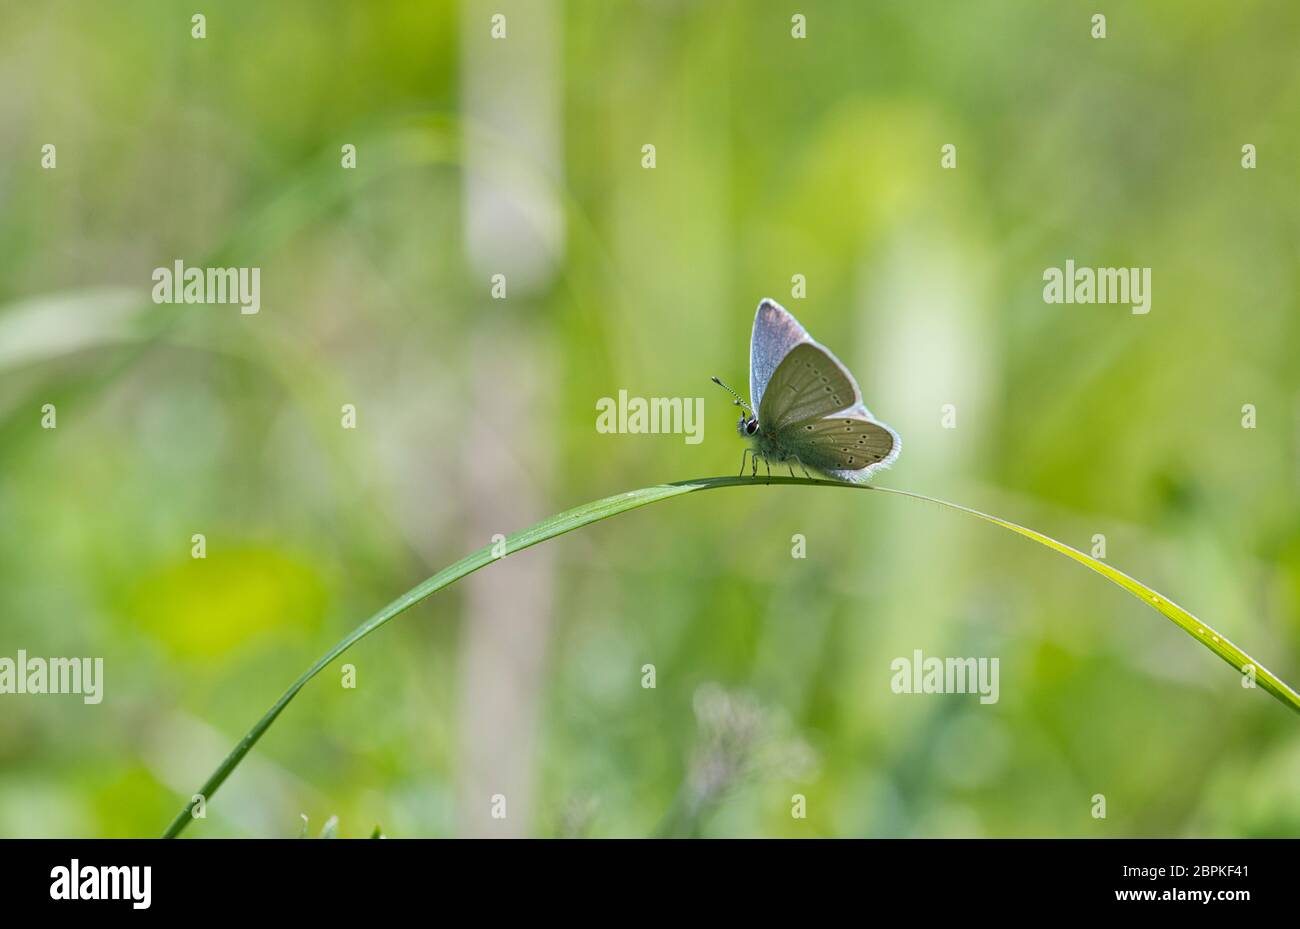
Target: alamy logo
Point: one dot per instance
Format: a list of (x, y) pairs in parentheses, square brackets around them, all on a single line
[(921, 675), (1098, 285), (179, 284), (35, 675), (679, 415), (88, 882)]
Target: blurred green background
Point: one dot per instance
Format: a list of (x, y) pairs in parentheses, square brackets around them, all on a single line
[(476, 416)]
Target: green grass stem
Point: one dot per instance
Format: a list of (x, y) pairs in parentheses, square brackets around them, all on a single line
[(594, 512)]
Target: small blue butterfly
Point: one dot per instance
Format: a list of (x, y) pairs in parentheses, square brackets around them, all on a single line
[(810, 409)]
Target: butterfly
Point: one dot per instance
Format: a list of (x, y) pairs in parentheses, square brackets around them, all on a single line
[(810, 409)]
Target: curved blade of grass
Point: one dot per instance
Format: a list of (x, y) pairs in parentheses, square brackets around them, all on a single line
[(620, 503)]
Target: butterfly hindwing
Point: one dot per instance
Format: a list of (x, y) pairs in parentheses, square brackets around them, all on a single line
[(841, 445), (809, 383)]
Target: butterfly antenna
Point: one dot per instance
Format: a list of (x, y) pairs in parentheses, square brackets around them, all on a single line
[(737, 402)]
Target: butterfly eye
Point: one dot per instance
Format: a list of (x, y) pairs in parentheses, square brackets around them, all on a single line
[(751, 427)]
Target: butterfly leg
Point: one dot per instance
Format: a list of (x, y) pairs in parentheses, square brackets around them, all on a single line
[(791, 467), (742, 462), (803, 468)]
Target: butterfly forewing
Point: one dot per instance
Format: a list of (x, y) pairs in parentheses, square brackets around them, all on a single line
[(840, 443), (808, 384), (776, 332)]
